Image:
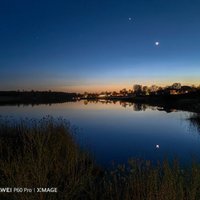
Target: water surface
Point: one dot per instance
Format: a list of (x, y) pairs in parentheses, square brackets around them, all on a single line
[(119, 131)]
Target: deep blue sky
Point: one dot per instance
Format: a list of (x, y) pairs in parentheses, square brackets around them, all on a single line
[(88, 45)]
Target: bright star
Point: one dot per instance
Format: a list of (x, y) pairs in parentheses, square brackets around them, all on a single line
[(157, 43), (129, 18)]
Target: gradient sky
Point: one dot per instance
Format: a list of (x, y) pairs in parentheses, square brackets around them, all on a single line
[(92, 45)]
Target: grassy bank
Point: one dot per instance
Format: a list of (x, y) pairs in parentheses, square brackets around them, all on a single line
[(195, 121), (44, 154)]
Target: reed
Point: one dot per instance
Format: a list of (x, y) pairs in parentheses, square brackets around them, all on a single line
[(45, 154)]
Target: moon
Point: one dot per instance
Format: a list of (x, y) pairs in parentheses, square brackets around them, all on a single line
[(129, 18), (157, 43)]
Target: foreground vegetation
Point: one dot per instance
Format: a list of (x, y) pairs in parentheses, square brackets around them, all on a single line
[(195, 121), (45, 154)]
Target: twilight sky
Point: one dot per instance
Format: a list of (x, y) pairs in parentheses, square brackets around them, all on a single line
[(92, 45)]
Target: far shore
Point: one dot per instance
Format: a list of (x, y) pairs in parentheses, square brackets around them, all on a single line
[(187, 102)]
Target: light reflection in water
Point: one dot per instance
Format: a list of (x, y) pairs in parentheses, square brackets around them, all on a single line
[(120, 130)]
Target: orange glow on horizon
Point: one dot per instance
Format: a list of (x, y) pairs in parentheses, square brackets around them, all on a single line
[(118, 87), (110, 87)]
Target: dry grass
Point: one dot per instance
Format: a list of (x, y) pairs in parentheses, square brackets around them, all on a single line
[(44, 154), (195, 121)]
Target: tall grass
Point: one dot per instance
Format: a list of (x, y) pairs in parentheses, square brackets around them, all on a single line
[(195, 121), (44, 154)]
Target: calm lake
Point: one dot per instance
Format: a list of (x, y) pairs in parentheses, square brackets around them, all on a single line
[(119, 131)]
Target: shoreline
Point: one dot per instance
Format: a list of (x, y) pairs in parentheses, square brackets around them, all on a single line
[(186, 102)]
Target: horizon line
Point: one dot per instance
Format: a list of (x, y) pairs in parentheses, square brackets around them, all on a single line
[(111, 89)]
